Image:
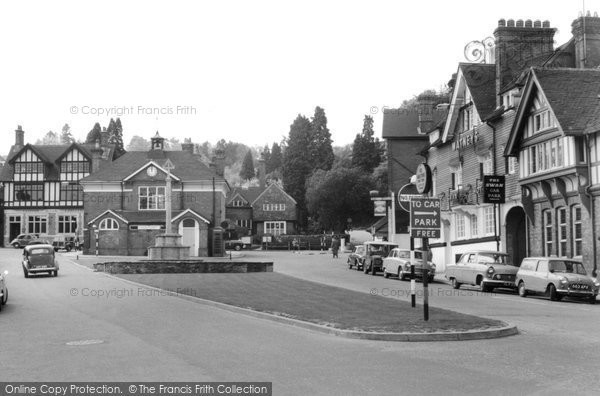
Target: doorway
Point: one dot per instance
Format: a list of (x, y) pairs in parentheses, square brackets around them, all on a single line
[(516, 236), (189, 230), (14, 227)]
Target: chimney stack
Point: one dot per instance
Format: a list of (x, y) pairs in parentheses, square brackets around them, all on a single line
[(19, 138), (517, 45), (586, 33), (187, 146), (103, 137), (425, 104), (218, 162), (96, 155), (262, 171)]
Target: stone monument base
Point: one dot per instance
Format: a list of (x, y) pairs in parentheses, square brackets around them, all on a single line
[(168, 247)]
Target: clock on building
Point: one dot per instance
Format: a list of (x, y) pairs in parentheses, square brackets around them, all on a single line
[(151, 171)]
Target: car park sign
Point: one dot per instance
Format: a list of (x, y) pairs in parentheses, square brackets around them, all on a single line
[(425, 219)]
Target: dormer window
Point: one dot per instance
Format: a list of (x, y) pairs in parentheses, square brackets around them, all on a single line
[(238, 203), (542, 120)]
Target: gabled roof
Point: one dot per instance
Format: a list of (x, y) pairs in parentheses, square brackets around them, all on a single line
[(110, 212), (146, 165), (188, 166), (249, 194), (51, 155), (399, 123), (573, 96), (481, 81), (271, 186), (190, 211)]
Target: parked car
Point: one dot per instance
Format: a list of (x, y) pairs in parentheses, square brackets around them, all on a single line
[(556, 278), (398, 263), (66, 243), (357, 257), (235, 244), (375, 251), (486, 269), (3, 289), (39, 258), (23, 240)]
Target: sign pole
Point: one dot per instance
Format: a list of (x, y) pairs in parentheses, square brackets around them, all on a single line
[(425, 279), (413, 297)]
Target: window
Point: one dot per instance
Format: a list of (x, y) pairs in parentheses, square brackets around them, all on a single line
[(75, 167), (244, 223), (152, 198), (561, 220), (71, 192), (29, 167), (546, 156), (460, 226), (467, 118), (547, 219), (474, 226), (275, 227), (37, 224), (29, 192), (576, 230), (456, 177), (489, 220), (274, 207), (488, 165), (67, 224), (513, 164), (237, 202), (542, 120), (109, 224)]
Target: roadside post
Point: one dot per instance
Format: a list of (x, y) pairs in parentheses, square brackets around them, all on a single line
[(425, 220), (96, 232), (413, 284)]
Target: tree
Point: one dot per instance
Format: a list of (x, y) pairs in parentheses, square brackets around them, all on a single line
[(247, 171), (94, 134), (138, 143), (320, 149), (336, 195), (49, 138), (297, 166), (367, 150), (66, 137), (275, 159), (117, 138)]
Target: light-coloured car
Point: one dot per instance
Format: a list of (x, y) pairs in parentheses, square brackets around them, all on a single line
[(398, 263), (486, 269), (357, 257), (3, 289), (375, 251), (556, 278), (39, 258), (23, 240)]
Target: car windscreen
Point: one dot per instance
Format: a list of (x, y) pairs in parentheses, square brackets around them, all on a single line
[(495, 258), (569, 267), (40, 251)]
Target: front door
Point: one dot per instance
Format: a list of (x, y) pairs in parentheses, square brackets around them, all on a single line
[(188, 229), (14, 227)]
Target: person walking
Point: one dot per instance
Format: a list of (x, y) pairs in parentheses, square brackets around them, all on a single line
[(335, 247)]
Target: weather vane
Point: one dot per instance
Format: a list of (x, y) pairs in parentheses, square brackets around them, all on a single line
[(480, 51)]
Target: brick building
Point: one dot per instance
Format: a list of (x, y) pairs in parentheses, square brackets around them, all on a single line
[(125, 201), (492, 112), (41, 189), (263, 209)]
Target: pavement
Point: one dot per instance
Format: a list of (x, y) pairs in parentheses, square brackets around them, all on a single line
[(342, 312)]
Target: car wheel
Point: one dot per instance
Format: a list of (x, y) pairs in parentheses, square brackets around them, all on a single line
[(455, 284), (552, 292), (25, 273), (522, 291), (4, 301), (401, 275), (592, 299), (385, 274), (16, 245), (238, 248), (430, 279), (365, 268), (68, 248), (55, 273), (483, 287)]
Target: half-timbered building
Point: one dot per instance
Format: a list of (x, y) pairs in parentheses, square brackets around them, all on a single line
[(42, 194)]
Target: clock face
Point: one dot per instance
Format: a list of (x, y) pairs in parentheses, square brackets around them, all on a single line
[(151, 171)]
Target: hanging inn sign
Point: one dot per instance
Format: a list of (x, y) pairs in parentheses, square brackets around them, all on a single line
[(494, 189)]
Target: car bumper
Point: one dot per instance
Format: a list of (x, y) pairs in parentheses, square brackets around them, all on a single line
[(577, 293), (41, 269), (500, 283)]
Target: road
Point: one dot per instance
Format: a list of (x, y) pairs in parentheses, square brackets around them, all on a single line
[(129, 335)]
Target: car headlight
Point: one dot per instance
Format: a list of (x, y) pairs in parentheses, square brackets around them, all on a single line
[(490, 272), (406, 267), (596, 283), (563, 280)]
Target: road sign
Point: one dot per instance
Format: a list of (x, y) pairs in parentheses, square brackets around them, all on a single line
[(425, 218), (493, 189), (423, 181), (405, 193)]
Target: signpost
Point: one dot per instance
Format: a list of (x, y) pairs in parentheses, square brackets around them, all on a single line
[(494, 193), (425, 220)]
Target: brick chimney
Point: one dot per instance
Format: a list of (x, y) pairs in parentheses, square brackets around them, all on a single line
[(426, 104), (19, 138), (517, 44), (586, 32), (187, 146), (104, 137), (218, 162), (262, 171), (96, 156)]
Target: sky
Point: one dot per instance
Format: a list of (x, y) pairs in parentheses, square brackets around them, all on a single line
[(235, 70)]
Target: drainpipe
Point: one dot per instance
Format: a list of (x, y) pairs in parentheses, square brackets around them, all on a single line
[(592, 211), (497, 230)]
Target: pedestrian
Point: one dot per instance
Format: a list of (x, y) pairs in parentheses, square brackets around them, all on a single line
[(335, 247), (323, 245)]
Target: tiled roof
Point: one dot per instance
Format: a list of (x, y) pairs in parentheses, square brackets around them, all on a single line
[(250, 194), (188, 167), (398, 123), (49, 154), (481, 80), (574, 96)]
